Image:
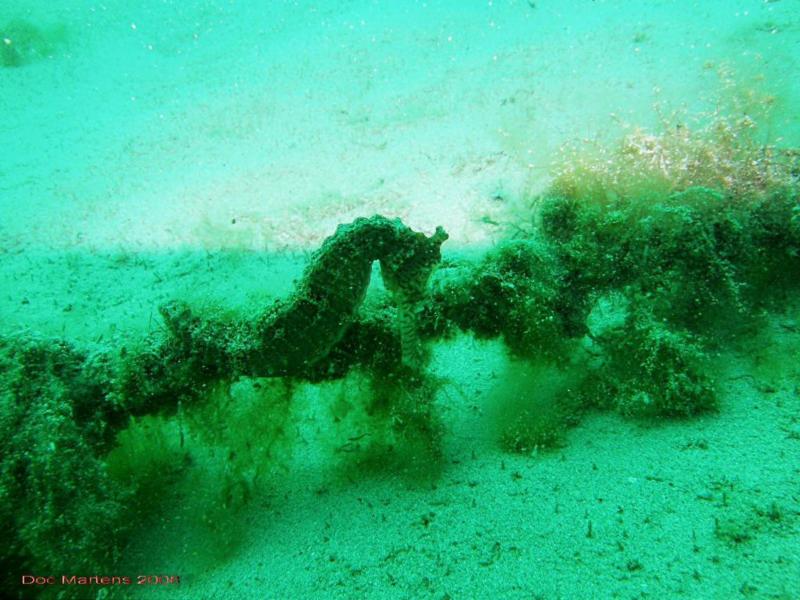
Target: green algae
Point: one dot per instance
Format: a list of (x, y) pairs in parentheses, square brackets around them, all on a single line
[(534, 405)]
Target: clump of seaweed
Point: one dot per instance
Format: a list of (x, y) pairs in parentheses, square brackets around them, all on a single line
[(245, 424), (651, 369), (393, 426), (718, 151), (515, 293), (698, 254), (57, 499), (693, 232), (533, 405)]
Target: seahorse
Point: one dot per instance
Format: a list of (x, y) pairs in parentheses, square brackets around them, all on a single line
[(296, 333), (334, 286)]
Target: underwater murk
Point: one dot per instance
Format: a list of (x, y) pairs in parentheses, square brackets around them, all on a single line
[(601, 399)]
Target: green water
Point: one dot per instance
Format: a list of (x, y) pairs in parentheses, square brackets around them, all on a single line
[(591, 392)]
